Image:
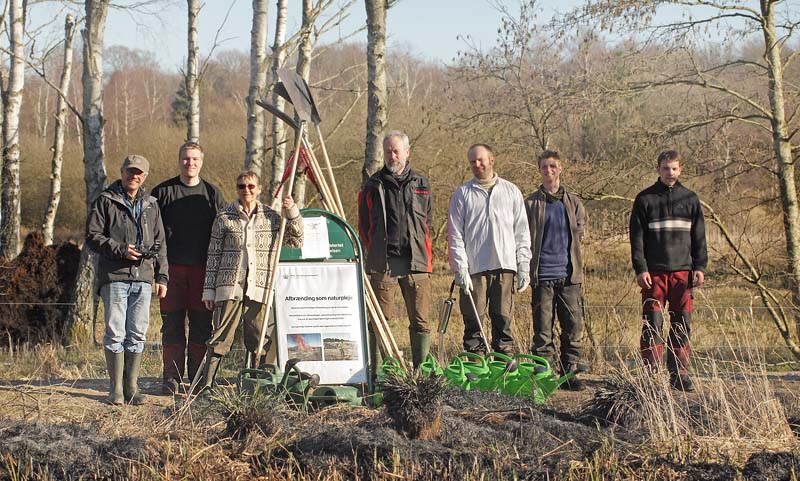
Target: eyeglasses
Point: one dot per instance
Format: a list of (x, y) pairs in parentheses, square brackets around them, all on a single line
[(248, 186)]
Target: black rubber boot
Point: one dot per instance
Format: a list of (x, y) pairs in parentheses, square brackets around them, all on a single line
[(130, 378), (115, 366)]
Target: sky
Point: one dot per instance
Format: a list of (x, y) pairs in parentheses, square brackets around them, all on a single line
[(432, 29)]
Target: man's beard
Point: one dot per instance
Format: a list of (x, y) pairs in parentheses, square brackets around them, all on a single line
[(396, 168)]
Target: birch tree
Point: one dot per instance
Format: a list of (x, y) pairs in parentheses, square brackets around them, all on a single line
[(303, 70), (79, 321), (58, 134), (278, 128), (763, 109), (12, 104), (191, 77), (376, 86), (254, 146)]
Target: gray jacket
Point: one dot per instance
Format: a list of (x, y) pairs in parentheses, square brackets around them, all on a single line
[(576, 215), (111, 226)]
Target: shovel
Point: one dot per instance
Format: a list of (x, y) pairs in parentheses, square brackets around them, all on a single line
[(444, 318)]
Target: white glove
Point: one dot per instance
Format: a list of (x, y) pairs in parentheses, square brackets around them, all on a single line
[(523, 281), (464, 280)]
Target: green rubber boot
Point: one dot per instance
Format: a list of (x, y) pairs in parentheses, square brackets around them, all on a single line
[(114, 363), (420, 347), (130, 378)]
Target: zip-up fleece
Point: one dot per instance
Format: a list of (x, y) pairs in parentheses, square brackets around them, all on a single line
[(535, 206), (372, 222), (111, 226), (667, 230)]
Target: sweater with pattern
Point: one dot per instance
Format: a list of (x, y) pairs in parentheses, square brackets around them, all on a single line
[(242, 250)]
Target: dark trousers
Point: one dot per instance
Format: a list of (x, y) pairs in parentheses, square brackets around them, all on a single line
[(495, 289), (558, 298), (183, 300)]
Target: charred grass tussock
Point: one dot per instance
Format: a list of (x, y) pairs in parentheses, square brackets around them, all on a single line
[(414, 402)]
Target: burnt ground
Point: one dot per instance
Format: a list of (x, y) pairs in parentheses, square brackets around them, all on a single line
[(64, 429)]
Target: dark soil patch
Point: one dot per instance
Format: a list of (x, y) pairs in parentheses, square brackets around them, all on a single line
[(34, 288), (482, 432), (67, 451)]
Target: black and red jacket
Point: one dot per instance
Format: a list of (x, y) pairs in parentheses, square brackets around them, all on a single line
[(414, 202), (667, 230)]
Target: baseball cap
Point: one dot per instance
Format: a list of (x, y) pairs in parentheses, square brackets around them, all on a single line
[(136, 162)]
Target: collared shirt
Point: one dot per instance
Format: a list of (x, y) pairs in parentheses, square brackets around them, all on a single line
[(488, 230)]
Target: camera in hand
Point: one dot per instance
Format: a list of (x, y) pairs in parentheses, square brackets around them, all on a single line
[(148, 252)]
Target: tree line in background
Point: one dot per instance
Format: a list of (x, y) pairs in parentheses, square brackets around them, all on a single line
[(608, 84)]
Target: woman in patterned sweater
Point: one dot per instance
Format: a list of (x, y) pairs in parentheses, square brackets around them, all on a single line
[(241, 253)]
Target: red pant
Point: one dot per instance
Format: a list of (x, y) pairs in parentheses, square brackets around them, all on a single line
[(668, 289)]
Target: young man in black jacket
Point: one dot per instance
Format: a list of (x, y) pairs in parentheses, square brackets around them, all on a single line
[(669, 254), (394, 223), (188, 206)]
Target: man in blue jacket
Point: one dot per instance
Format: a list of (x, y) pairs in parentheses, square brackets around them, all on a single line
[(669, 254)]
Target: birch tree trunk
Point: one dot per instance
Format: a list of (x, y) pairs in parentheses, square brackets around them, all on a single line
[(303, 69), (58, 135), (10, 204), (278, 129), (192, 87), (79, 327), (783, 152), (254, 146), (376, 86)]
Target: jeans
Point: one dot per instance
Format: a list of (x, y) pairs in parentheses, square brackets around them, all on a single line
[(127, 315)]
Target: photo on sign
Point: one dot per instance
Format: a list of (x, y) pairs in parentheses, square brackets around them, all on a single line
[(305, 347), (339, 347)]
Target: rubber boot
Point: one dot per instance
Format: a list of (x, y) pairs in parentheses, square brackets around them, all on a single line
[(115, 364), (210, 372), (678, 364), (420, 347), (573, 383), (172, 356), (652, 355), (130, 378), (194, 353)]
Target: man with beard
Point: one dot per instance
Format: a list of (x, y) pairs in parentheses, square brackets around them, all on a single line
[(394, 223)]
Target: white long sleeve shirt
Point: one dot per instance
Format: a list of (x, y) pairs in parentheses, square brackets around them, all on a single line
[(488, 230)]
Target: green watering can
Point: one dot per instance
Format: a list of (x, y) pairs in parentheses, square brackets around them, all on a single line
[(267, 377), (430, 366), (324, 396), (502, 371), (466, 373), (535, 378)]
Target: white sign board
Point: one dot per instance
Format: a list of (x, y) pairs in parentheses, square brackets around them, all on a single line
[(315, 238), (318, 319)]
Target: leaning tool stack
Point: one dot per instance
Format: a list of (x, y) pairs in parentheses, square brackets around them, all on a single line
[(296, 91)]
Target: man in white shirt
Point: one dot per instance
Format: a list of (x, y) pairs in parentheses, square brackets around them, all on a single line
[(488, 243)]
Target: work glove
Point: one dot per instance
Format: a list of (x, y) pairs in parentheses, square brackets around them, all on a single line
[(464, 280), (523, 278)]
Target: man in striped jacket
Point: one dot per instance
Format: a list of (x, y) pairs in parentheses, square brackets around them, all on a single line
[(668, 250)]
